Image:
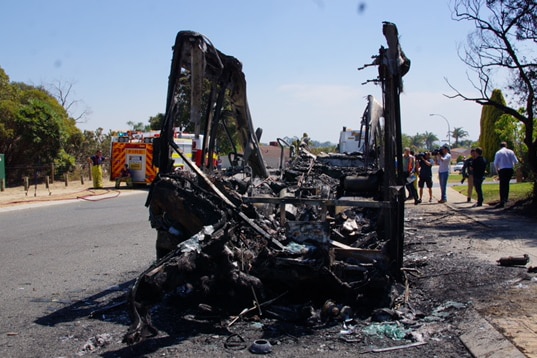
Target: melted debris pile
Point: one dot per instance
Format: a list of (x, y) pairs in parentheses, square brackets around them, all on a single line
[(297, 237)]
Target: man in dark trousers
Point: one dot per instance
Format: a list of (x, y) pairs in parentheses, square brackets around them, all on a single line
[(467, 173), (504, 162), (425, 165), (479, 165)]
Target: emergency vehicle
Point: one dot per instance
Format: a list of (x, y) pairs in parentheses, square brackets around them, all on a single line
[(191, 148), (136, 150)]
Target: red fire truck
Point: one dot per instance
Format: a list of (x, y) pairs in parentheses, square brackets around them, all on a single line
[(136, 150)]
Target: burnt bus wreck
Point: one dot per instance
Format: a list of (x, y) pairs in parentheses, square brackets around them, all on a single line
[(318, 229)]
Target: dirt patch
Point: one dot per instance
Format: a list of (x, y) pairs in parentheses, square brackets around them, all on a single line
[(56, 192), (462, 248)]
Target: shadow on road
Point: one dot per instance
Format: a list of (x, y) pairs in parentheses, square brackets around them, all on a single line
[(89, 307)]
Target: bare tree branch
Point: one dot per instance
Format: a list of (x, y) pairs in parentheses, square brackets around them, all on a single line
[(63, 92)]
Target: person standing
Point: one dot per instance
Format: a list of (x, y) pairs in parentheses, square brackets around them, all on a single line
[(504, 162), (467, 173), (425, 172), (443, 159), (479, 165), (96, 162), (409, 174)]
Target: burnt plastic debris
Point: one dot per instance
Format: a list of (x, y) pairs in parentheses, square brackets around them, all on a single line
[(514, 261), (261, 346)]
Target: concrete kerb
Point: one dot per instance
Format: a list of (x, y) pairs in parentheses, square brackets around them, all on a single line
[(483, 340)]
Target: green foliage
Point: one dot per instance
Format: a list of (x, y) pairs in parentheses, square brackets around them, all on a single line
[(491, 192), (406, 140), (323, 149), (458, 133), (224, 144), (417, 141), (468, 144), (35, 130), (430, 139), (420, 142), (489, 139), (64, 162), (155, 122), (95, 140), (137, 126), (511, 131)]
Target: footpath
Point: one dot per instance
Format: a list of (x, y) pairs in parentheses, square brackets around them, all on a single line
[(504, 326)]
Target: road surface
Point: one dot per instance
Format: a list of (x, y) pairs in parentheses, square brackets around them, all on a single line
[(54, 256)]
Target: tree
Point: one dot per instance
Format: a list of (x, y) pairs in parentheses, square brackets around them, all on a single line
[(155, 122), (35, 130), (136, 126), (429, 139), (417, 141), (504, 43), (406, 140), (35, 136), (63, 92), (511, 131), (488, 138), (458, 133)]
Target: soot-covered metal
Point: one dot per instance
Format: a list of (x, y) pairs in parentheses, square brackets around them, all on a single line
[(321, 228)]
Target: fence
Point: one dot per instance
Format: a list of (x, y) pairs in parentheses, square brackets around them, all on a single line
[(25, 175)]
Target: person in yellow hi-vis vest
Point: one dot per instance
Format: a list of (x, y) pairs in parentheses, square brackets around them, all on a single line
[(96, 162)]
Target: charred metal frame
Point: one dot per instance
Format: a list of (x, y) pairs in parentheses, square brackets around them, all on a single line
[(195, 57), (393, 65)]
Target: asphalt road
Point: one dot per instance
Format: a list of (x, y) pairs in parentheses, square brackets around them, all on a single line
[(53, 256)]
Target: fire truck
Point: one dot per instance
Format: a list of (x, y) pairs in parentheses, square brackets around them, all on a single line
[(189, 145), (136, 150)]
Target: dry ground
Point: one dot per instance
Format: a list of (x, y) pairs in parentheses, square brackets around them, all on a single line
[(56, 192), (451, 270)]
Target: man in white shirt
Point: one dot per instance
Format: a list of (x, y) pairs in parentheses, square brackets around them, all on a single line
[(443, 159), (504, 162)]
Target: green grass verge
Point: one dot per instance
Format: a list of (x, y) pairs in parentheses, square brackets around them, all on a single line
[(491, 192), (457, 177)]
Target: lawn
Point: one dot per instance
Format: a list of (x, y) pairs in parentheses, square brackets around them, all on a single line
[(457, 177), (491, 190)]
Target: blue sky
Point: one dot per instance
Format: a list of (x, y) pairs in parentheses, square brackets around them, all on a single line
[(300, 58)]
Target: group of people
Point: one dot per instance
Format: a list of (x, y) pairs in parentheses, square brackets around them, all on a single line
[(473, 170), (420, 168), (414, 168)]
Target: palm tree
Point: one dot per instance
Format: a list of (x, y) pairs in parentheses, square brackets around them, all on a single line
[(429, 138), (417, 141), (458, 133)]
